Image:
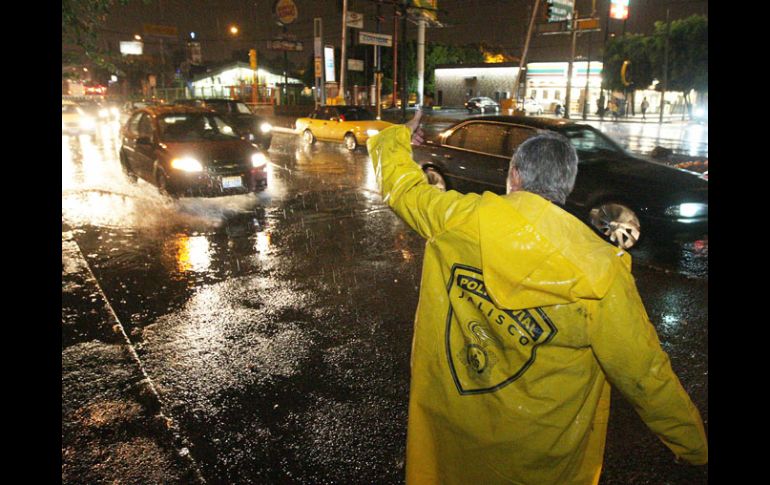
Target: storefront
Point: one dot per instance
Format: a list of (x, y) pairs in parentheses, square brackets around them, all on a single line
[(547, 84), (456, 84), (236, 80)]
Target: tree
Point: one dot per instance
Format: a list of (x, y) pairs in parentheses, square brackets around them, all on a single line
[(687, 55), (80, 20), (634, 48)]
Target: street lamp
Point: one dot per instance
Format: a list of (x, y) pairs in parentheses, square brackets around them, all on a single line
[(137, 37), (234, 30)]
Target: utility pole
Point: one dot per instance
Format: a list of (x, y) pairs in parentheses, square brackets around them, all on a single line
[(395, 56), (523, 58), (588, 77), (378, 67), (343, 61), (420, 60), (568, 97), (404, 86), (665, 69)]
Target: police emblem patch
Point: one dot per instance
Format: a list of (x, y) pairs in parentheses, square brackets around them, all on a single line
[(488, 347)]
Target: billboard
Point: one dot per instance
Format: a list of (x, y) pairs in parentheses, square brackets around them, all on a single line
[(329, 63), (131, 48)]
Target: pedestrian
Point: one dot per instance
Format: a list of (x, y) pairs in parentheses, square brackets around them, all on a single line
[(614, 109), (600, 105), (645, 105), (525, 318)]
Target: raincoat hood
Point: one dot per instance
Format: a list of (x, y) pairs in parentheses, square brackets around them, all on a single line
[(539, 259)]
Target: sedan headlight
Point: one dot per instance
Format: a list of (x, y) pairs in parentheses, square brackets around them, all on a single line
[(187, 164), (103, 113), (265, 127), (688, 210), (259, 159), (372, 132)]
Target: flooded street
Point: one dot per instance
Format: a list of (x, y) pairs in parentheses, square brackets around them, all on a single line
[(276, 327)]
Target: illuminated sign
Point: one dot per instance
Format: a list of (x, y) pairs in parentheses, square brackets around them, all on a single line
[(286, 11), (619, 9), (329, 63), (132, 48)]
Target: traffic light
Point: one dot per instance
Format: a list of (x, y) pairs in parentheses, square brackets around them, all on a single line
[(619, 9), (253, 58)]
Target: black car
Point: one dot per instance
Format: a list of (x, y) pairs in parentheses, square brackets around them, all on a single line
[(237, 113), (190, 151), (618, 194)]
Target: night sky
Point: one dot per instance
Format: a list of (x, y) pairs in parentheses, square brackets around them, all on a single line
[(497, 22)]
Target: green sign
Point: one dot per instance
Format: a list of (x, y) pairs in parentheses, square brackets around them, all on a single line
[(560, 10)]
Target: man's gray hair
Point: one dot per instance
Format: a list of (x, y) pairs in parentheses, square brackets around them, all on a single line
[(547, 166)]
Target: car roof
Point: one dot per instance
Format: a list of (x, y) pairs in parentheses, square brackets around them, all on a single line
[(533, 121), (171, 109)]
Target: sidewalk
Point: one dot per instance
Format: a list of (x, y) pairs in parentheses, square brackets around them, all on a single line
[(113, 426)]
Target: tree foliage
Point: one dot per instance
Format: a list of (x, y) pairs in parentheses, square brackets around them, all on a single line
[(688, 58), (634, 48), (80, 20)]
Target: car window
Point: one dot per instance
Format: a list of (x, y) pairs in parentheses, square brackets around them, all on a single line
[(481, 137), (517, 136), (357, 114), (144, 127), (192, 127), (133, 124), (589, 143), (242, 108)]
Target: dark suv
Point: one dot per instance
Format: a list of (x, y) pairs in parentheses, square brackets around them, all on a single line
[(248, 125), (190, 151)]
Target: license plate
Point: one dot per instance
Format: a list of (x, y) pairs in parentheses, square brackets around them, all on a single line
[(231, 182)]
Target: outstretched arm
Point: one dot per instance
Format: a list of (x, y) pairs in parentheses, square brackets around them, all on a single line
[(404, 186)]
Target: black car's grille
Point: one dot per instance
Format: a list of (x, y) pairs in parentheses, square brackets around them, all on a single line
[(228, 167)]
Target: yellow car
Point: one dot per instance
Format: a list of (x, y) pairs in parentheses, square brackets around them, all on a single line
[(352, 125)]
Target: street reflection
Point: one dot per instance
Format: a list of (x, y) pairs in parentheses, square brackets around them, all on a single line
[(192, 253)]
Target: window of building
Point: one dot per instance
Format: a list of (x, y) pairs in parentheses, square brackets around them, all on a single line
[(557, 94), (545, 94), (534, 93)]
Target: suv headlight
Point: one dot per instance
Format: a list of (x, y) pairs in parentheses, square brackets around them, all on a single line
[(187, 164), (87, 123), (688, 210), (265, 127), (259, 159)]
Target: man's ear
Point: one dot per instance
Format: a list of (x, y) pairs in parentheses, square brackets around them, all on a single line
[(514, 180)]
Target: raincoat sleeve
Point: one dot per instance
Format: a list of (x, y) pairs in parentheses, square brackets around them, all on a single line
[(626, 345), (405, 188)]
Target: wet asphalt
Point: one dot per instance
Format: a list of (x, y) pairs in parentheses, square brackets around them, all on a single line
[(276, 327)]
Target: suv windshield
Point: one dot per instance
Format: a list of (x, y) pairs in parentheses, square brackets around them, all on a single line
[(194, 127), (589, 143)]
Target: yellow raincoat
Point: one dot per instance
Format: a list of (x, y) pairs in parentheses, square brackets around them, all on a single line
[(524, 316)]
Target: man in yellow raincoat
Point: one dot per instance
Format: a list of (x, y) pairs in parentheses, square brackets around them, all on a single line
[(525, 317)]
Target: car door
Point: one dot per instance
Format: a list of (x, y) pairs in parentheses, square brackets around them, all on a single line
[(130, 136), (476, 153), (144, 151)]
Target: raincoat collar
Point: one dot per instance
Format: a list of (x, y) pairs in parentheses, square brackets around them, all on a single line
[(535, 254)]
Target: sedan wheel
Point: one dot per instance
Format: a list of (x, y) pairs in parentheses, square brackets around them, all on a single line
[(435, 178), (350, 142), (617, 222), (307, 137)]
